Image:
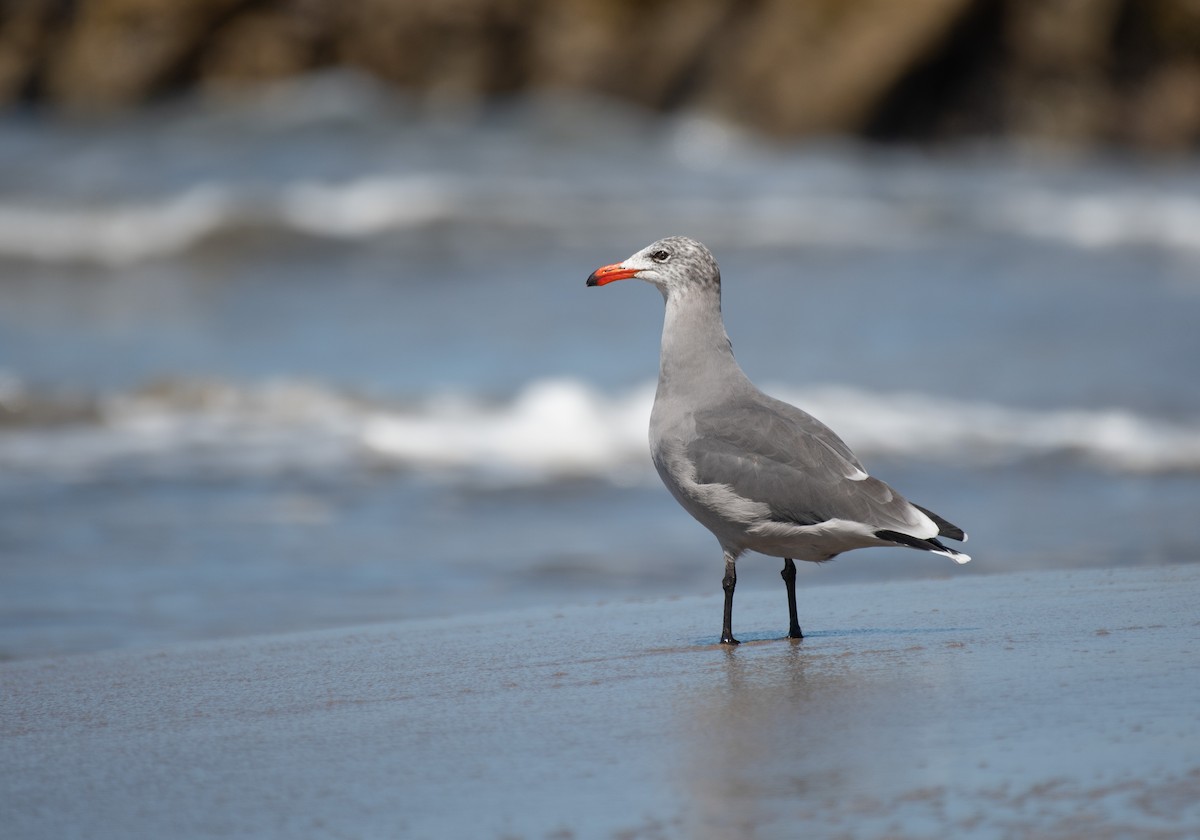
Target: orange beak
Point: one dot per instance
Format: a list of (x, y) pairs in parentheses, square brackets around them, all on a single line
[(609, 273)]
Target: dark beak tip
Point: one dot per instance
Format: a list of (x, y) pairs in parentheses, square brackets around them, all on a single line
[(591, 281)]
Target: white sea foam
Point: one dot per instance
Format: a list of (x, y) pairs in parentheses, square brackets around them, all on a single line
[(1102, 219), (548, 430), (929, 427), (372, 205), (116, 234), (552, 427), (787, 211)]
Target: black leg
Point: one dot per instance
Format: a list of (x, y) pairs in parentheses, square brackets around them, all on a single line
[(789, 579), (728, 583)]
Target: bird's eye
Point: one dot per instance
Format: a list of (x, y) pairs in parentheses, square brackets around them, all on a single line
[(660, 256)]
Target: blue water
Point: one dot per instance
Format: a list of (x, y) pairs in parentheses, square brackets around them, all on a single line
[(323, 358)]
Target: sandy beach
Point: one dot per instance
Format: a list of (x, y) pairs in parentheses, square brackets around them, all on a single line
[(1052, 704)]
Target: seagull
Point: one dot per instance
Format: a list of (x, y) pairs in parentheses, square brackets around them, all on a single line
[(760, 474)]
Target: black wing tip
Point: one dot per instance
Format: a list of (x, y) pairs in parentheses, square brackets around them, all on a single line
[(946, 528)]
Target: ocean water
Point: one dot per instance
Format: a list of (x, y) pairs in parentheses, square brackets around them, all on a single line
[(323, 357)]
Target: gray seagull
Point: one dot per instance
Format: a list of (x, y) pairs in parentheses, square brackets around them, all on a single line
[(760, 474)]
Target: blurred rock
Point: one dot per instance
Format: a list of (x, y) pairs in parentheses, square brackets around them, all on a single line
[(260, 46), (25, 33), (1063, 71), (445, 49), (1165, 116), (1057, 87), (821, 67), (118, 52), (658, 54)]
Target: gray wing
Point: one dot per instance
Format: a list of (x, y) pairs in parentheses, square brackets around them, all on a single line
[(776, 454)]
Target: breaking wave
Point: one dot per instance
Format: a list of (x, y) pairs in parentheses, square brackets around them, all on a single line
[(129, 231), (550, 429)]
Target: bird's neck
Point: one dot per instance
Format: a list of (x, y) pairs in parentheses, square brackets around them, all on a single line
[(696, 352)]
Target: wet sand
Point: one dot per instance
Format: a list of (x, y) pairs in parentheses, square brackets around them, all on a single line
[(1053, 704)]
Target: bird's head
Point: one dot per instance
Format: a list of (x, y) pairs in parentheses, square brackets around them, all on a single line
[(673, 264)]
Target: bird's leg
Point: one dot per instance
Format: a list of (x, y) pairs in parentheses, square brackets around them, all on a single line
[(728, 583), (789, 579)]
